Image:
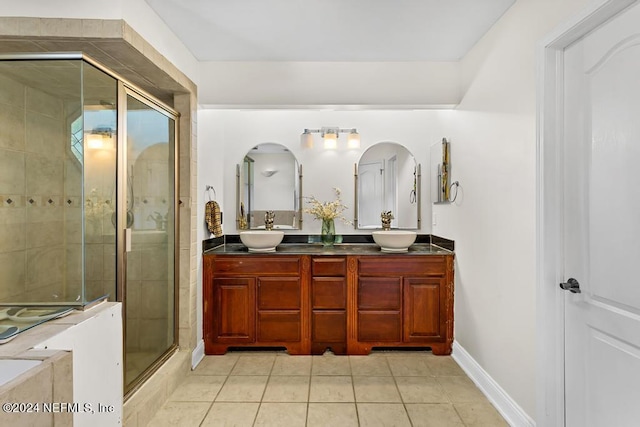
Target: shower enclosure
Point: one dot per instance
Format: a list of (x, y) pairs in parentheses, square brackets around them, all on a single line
[(88, 198)]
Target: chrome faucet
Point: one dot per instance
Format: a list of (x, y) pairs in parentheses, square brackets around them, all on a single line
[(269, 216), (386, 218)]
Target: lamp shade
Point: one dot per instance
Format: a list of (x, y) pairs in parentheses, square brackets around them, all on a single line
[(353, 139), (330, 140), (306, 139)]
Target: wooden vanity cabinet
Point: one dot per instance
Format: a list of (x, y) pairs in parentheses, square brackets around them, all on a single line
[(350, 304), (328, 304), (402, 301), (254, 301)]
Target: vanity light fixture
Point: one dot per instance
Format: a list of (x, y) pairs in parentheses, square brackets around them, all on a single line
[(330, 137), (100, 138)]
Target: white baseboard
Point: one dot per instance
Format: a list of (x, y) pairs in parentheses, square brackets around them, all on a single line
[(508, 408), (197, 355)]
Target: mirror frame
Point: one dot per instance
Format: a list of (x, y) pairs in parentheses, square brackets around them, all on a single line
[(418, 193), (239, 193)]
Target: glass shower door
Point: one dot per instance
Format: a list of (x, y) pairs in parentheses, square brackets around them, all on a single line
[(149, 284)]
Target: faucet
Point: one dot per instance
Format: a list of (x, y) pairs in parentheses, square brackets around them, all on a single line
[(386, 218), (269, 216), (157, 218)]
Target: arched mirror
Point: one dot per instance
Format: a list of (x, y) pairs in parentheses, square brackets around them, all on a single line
[(270, 179), (387, 178)]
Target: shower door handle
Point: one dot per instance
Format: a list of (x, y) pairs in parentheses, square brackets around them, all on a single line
[(127, 240)]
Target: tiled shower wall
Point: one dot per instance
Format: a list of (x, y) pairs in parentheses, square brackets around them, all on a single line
[(32, 211), (41, 203)]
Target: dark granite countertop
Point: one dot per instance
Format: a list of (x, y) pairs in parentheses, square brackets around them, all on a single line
[(338, 249), (350, 244)]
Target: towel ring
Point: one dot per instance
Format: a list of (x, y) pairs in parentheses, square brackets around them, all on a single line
[(207, 189)]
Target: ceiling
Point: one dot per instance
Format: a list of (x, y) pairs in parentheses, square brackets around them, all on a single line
[(329, 30)]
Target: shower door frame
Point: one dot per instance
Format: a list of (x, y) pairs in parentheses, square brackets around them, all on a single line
[(126, 89)]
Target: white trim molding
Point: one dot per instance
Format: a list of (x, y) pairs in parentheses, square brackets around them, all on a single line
[(508, 408), (197, 355)]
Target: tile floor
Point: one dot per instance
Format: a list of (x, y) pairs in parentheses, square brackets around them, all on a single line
[(275, 389)]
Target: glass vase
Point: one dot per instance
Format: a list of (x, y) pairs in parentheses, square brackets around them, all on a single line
[(328, 234)]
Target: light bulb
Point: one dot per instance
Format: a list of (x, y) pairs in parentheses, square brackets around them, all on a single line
[(306, 139), (353, 139), (330, 140)]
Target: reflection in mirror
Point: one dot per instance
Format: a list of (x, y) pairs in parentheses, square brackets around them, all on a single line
[(270, 179), (387, 179)]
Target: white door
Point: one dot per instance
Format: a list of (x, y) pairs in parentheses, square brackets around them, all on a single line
[(371, 194), (602, 225)]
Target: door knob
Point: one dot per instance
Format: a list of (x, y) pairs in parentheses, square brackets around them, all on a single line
[(571, 285)]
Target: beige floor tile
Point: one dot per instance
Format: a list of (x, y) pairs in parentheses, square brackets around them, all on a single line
[(332, 414), (198, 388), (329, 364), (331, 389), (421, 390), (242, 388), (216, 365), (443, 366), (254, 365), (367, 365), (292, 365), (276, 389), (282, 414), (184, 414), (409, 366), (376, 389), (480, 414), (383, 415), (461, 389), (433, 415), (224, 414), (287, 389)]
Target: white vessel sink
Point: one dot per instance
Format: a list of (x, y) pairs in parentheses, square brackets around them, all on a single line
[(394, 240), (261, 240)]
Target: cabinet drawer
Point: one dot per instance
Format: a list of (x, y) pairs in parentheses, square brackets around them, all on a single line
[(379, 326), (329, 326), (278, 293), (328, 292), (278, 326), (404, 266), (327, 266), (379, 293), (252, 265)]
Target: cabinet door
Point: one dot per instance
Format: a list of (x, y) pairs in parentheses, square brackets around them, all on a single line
[(234, 311), (422, 311)]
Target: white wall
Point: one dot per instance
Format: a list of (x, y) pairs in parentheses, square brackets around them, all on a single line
[(211, 157), (493, 154), (136, 13), (239, 131), (266, 84)]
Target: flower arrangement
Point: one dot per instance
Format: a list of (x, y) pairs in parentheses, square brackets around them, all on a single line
[(327, 210)]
